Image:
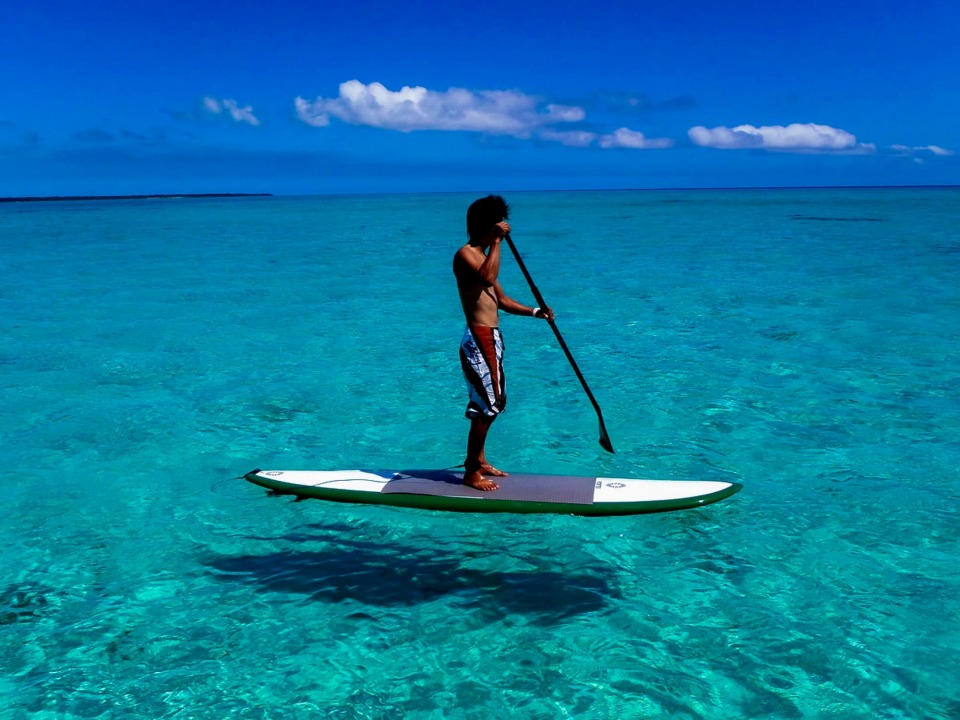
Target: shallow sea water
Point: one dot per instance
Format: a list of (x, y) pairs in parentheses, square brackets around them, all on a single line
[(801, 342)]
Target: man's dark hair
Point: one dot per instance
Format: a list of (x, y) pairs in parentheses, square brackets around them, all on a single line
[(484, 213)]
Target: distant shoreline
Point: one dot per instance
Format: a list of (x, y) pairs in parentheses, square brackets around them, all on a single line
[(66, 198), (504, 191)]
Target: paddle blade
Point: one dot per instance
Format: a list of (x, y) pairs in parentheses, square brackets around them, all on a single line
[(605, 440)]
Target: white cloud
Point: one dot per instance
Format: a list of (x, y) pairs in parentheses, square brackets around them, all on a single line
[(240, 114), (935, 149), (565, 113), (622, 138), (570, 138), (307, 113), (626, 138), (232, 107), (798, 137), (497, 112)]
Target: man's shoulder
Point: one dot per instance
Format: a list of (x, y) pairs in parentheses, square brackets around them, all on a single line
[(466, 255)]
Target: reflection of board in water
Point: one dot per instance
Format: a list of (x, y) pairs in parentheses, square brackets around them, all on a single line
[(398, 575)]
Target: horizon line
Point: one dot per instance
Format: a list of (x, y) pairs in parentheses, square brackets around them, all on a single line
[(174, 196)]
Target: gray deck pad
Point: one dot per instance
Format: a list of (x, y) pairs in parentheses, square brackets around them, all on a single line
[(529, 488)]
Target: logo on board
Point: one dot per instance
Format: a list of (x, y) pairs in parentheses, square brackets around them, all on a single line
[(616, 485)]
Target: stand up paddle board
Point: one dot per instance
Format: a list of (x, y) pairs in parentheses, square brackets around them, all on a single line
[(518, 493)]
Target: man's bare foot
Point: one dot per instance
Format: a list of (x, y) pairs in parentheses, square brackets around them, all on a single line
[(488, 469), (476, 480)]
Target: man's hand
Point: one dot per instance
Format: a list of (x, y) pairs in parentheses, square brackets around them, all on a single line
[(544, 313), (501, 229)]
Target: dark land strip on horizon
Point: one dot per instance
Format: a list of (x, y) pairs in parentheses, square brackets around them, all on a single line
[(171, 196)]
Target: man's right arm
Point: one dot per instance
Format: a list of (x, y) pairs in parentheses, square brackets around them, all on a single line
[(489, 270), (485, 270)]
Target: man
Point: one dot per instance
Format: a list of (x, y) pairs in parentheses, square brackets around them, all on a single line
[(476, 266)]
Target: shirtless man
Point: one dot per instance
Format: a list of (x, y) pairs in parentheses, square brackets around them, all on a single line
[(476, 266)]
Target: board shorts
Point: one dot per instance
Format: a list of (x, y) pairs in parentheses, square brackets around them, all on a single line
[(481, 357)]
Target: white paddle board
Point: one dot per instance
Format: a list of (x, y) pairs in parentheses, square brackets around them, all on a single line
[(518, 492)]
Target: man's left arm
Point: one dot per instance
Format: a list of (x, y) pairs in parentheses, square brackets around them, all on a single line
[(509, 305)]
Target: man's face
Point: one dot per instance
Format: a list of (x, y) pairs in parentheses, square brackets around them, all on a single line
[(488, 239)]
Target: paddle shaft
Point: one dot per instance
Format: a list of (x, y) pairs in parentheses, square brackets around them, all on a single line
[(604, 437)]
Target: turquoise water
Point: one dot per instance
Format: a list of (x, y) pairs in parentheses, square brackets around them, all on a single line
[(802, 342)]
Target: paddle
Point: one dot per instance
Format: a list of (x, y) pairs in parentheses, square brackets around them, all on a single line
[(604, 438)]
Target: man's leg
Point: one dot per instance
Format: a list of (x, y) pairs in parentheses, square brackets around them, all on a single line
[(474, 465), (489, 469)]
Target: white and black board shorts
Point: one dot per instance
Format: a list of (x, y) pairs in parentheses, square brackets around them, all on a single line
[(481, 357)]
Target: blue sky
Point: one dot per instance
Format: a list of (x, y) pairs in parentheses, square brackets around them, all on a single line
[(299, 98)]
